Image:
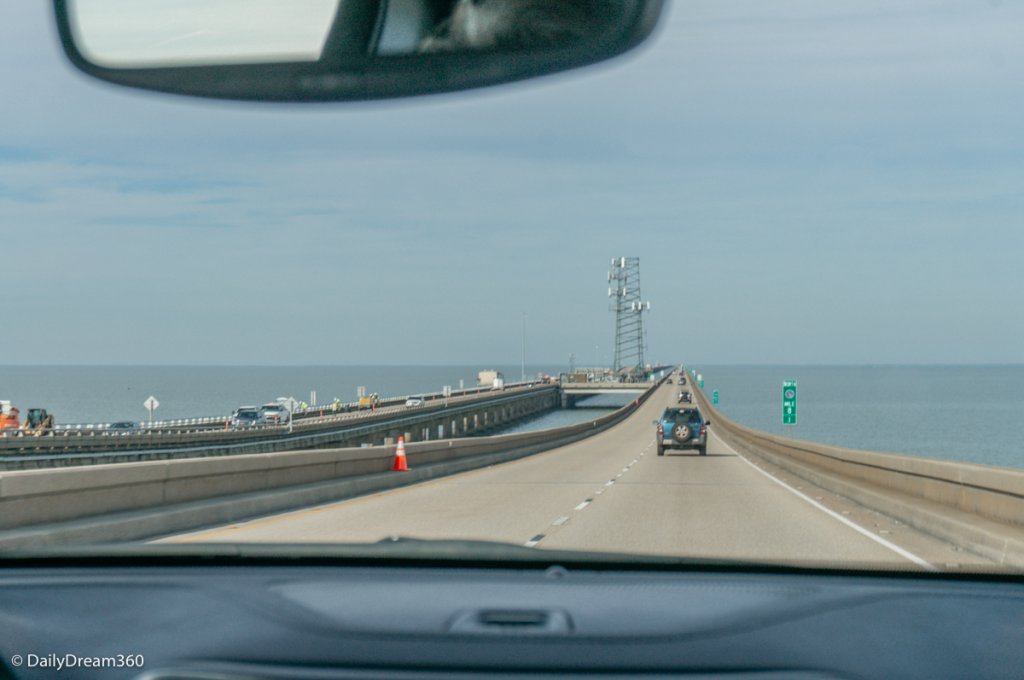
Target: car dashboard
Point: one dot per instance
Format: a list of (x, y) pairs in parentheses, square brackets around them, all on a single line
[(211, 619)]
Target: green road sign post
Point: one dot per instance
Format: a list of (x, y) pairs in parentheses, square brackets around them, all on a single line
[(789, 402), (715, 397)]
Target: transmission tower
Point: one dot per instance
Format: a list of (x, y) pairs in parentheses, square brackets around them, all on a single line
[(624, 292)]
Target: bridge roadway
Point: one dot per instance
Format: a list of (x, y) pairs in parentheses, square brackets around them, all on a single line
[(613, 493)]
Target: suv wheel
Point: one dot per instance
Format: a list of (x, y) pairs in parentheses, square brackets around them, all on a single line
[(681, 433), (661, 450), (703, 450)]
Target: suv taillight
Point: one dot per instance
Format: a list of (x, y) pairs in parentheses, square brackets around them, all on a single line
[(661, 430), (703, 430)]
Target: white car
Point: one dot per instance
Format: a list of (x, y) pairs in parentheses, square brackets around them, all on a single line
[(274, 414), (415, 401)]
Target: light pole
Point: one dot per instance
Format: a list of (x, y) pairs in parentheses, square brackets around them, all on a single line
[(522, 377)]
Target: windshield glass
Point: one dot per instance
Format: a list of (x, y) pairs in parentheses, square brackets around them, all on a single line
[(808, 213)]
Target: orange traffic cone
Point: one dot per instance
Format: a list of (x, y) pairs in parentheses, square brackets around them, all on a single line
[(400, 464)]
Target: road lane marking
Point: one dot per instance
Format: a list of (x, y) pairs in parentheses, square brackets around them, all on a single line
[(534, 541), (560, 521), (584, 504), (906, 554)]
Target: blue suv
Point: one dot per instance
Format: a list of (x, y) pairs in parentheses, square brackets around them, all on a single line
[(682, 428)]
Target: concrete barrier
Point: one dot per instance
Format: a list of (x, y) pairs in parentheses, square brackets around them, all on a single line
[(978, 507), (92, 448), (136, 500)]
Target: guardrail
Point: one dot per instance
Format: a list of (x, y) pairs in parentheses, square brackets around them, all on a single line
[(980, 507), (320, 414), (159, 497), (98, 448), (208, 422)]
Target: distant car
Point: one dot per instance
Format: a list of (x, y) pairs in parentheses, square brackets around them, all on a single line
[(274, 414), (245, 416), (669, 381), (682, 428), (682, 380), (685, 396), (415, 401), (123, 426)]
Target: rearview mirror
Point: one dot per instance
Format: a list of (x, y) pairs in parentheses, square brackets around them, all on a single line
[(331, 50)]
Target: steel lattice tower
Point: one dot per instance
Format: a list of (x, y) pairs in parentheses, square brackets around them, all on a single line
[(624, 291)]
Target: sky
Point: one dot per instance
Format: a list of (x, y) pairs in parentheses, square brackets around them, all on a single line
[(803, 182)]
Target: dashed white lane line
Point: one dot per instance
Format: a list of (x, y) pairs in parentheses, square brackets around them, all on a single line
[(562, 520), (906, 554)]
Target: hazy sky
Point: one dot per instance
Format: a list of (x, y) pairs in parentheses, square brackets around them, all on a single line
[(804, 182)]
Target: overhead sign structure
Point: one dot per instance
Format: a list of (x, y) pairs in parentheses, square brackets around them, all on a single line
[(789, 402), (152, 404)]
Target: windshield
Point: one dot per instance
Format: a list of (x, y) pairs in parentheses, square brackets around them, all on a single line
[(808, 212)]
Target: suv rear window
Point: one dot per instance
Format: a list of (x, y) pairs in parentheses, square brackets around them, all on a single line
[(688, 415)]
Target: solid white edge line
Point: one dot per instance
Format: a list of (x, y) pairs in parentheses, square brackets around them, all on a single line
[(906, 554)]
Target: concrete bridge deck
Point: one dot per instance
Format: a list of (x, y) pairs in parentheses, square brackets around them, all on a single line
[(612, 492)]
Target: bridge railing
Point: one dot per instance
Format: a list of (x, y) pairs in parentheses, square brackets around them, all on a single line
[(319, 414), (93, 447)]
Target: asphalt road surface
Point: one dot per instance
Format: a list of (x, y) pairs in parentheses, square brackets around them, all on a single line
[(613, 493)]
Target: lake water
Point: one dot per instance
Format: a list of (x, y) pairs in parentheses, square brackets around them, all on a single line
[(966, 413)]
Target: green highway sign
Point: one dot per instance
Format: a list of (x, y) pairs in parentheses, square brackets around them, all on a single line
[(789, 402), (715, 397)]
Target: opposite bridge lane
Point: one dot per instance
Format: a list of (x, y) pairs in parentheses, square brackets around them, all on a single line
[(608, 493)]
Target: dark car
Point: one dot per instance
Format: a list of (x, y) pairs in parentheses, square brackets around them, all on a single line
[(246, 416), (123, 426), (685, 396), (682, 428)]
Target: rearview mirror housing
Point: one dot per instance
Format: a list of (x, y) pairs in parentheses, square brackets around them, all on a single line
[(341, 50)]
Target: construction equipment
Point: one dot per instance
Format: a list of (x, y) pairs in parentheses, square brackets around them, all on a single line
[(38, 421), (369, 401)]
